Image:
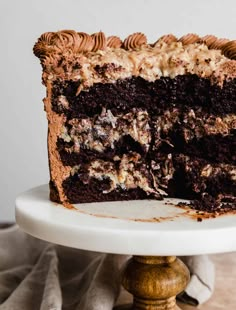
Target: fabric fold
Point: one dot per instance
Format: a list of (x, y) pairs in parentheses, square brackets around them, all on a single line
[(37, 275)]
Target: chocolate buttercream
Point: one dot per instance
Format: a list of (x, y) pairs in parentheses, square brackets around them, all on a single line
[(229, 49), (58, 172), (209, 40), (66, 39), (86, 43), (47, 37), (135, 40), (99, 41), (55, 42), (190, 38), (114, 42), (168, 39), (218, 44)]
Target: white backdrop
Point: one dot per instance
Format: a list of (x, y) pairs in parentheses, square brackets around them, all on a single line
[(23, 126)]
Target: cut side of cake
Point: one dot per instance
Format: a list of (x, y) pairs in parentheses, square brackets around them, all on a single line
[(131, 120)]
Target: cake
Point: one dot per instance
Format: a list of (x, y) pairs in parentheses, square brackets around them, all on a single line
[(131, 120)]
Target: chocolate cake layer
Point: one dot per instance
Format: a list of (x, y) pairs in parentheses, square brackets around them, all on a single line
[(214, 148), (93, 191), (195, 176), (123, 95)]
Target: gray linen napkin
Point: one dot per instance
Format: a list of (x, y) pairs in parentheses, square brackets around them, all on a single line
[(36, 275)]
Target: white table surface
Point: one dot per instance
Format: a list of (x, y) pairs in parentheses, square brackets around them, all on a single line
[(143, 227)]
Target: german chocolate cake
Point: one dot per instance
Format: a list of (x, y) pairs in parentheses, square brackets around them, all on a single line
[(132, 120)]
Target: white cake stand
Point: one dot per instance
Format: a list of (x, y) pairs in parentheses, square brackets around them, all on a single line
[(155, 232)]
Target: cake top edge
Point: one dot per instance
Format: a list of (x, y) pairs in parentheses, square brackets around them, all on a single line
[(81, 42)]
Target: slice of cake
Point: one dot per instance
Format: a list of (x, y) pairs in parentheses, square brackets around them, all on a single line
[(132, 120)]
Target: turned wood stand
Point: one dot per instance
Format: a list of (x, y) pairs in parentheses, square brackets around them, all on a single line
[(154, 232), (154, 281)]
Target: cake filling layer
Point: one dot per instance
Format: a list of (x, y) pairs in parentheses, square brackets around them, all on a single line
[(189, 132), (102, 132), (148, 62), (127, 172)]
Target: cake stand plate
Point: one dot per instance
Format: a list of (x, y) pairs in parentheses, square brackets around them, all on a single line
[(154, 232), (143, 227)]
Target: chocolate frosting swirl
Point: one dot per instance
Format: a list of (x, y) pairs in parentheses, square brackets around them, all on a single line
[(43, 46), (168, 39), (114, 42), (79, 42), (219, 43), (100, 41), (189, 38), (229, 49), (209, 40), (87, 42), (135, 40), (46, 38), (40, 49), (66, 39)]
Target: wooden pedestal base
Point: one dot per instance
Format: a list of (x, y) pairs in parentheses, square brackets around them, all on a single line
[(154, 282)]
